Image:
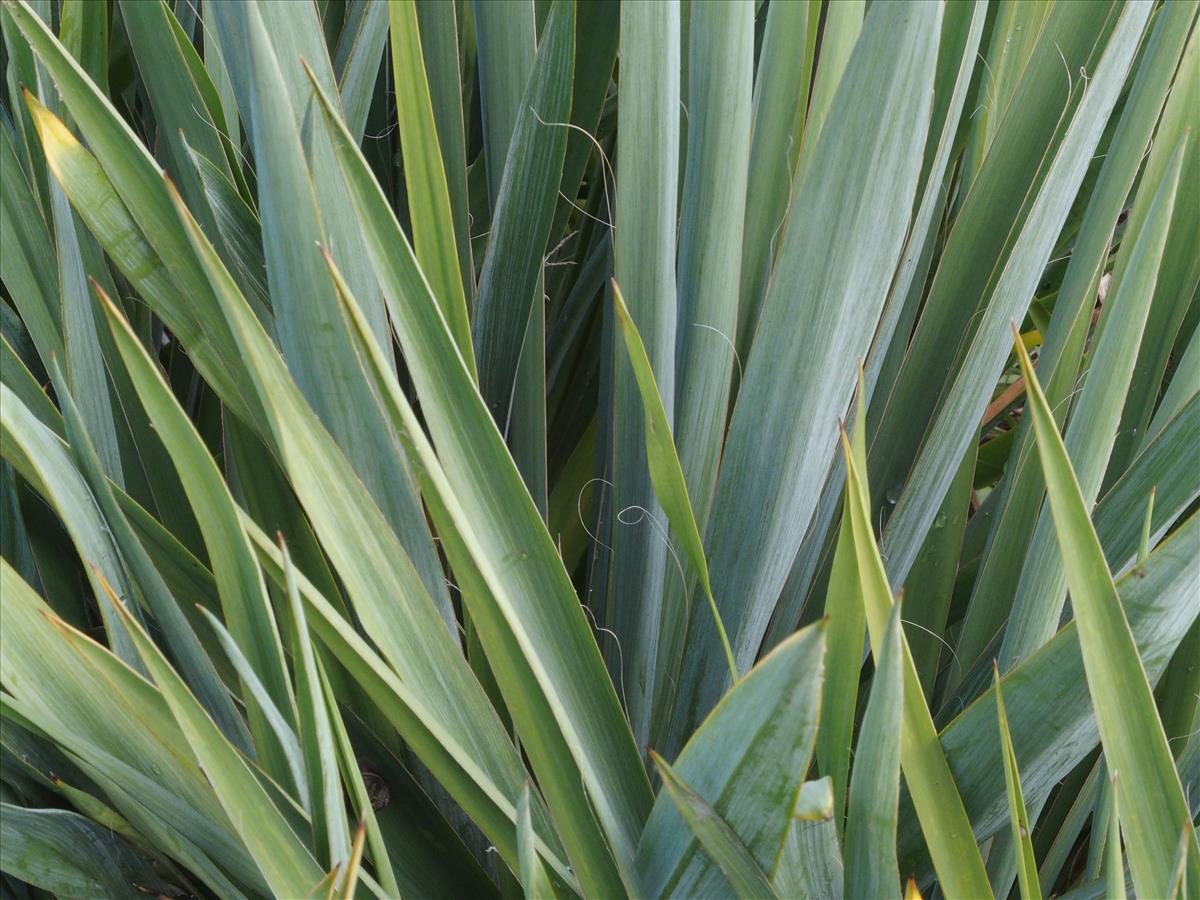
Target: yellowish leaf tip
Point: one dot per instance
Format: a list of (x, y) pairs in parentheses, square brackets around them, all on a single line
[(48, 125), (619, 304)]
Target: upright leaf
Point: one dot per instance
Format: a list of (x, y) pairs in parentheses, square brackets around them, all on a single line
[(843, 24), (1022, 831), (1089, 437), (356, 61), (244, 600), (1135, 746), (506, 43), (538, 604), (871, 869), (425, 175), (712, 212), (1021, 492), (312, 336), (944, 441), (780, 98), (943, 819), (439, 26), (844, 657), (666, 474), (857, 199), (381, 583), (962, 26), (648, 114), (525, 200), (509, 663)]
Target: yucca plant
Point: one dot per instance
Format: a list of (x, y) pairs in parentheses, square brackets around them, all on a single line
[(473, 448)]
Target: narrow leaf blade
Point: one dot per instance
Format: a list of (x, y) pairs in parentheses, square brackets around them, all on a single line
[(1148, 786)]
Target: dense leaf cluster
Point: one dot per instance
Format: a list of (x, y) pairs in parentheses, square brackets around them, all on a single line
[(599, 448)]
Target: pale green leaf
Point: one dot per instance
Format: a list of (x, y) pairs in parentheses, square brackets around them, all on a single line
[(663, 464), (857, 199), (539, 603)]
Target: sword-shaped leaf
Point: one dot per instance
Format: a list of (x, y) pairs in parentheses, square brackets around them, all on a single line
[(244, 602), (285, 862), (837, 258), (747, 762), (425, 176), (714, 834), (666, 474), (871, 869), (538, 604), (939, 807), (1148, 787), (1022, 832)]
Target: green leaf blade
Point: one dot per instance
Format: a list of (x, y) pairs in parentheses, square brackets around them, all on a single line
[(871, 869), (771, 471), (747, 762), (714, 834), (1148, 787), (1022, 831), (943, 819), (425, 175)]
